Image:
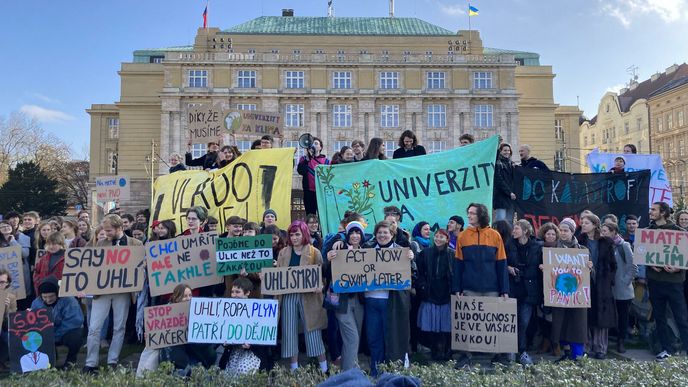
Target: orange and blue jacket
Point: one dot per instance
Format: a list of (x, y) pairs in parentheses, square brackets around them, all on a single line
[(480, 264)]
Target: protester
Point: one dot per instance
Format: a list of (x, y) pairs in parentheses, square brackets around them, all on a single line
[(358, 147), (682, 219), (10, 302), (530, 162), (386, 312), (6, 237), (548, 233), (69, 231), (227, 155), (454, 228), (113, 228), (266, 142), (138, 231), (256, 144), (503, 196), (348, 307), (211, 224), (195, 218), (84, 215), (610, 218), (434, 284), (570, 325), (630, 149), (250, 229), (306, 168), (66, 315), (466, 139), (176, 164), (665, 284), (84, 230), (234, 227), (52, 264), (375, 150), (29, 222), (297, 308), (602, 313), (619, 165), (623, 281), (163, 230), (142, 216), (631, 226), (393, 216), (98, 236), (344, 156), (269, 217), (408, 146), (480, 266), (207, 161), (278, 240), (314, 227), (421, 236)]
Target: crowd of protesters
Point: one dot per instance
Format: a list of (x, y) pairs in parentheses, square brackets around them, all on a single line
[(466, 256)]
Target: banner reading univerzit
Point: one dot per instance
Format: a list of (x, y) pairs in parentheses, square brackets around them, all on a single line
[(256, 181), (548, 196), (430, 188), (660, 186)]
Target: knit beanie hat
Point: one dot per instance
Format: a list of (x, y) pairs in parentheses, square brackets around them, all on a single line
[(49, 285), (270, 211), (458, 220), (355, 225), (570, 223)]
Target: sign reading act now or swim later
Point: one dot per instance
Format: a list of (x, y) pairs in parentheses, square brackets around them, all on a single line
[(233, 321), (166, 325), (566, 277), (185, 259), (292, 279), (102, 270), (484, 324), (371, 269), (661, 248), (252, 253)]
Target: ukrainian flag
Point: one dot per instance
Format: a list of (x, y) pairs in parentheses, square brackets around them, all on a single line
[(472, 11)]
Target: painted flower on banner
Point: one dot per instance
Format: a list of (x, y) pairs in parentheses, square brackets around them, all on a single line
[(360, 196)]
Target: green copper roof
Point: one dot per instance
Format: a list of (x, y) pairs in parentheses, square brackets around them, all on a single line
[(527, 58), (373, 26)]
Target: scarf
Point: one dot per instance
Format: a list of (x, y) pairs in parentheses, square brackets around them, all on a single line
[(423, 242), (572, 244)]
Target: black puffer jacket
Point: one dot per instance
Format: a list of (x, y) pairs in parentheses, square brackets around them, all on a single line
[(527, 285), (503, 183)]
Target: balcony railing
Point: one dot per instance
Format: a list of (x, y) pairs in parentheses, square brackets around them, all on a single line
[(220, 57)]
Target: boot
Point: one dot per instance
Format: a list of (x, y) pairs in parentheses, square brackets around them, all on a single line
[(620, 347), (546, 346)]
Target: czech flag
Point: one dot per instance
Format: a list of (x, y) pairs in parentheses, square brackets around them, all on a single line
[(472, 11), (205, 17)]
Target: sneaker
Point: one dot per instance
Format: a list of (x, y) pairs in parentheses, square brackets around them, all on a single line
[(89, 370), (525, 359), (464, 362), (662, 356)]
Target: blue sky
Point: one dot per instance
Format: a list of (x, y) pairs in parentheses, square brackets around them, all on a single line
[(59, 57)]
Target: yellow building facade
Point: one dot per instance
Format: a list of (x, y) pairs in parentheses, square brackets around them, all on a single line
[(340, 79)]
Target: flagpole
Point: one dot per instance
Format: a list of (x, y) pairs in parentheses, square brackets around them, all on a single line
[(207, 3), (470, 34)]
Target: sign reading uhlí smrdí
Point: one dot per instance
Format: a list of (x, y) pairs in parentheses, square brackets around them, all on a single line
[(484, 324), (102, 270), (291, 279), (655, 247), (252, 253), (233, 321), (430, 188), (112, 188), (566, 277), (166, 325), (186, 259), (371, 269)]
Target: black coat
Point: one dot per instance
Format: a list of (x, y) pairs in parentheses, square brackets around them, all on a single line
[(434, 265), (503, 183), (534, 163), (602, 313), (207, 161), (527, 285), (177, 168)]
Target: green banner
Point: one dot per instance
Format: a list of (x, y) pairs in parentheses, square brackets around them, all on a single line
[(251, 253), (428, 188)]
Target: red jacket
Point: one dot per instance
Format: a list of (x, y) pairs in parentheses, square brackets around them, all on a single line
[(43, 270)]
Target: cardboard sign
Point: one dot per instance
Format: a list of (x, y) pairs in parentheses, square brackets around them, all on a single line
[(293, 279), (185, 259), (166, 325), (566, 277), (102, 270), (233, 321), (371, 269), (208, 122), (251, 253), (205, 123), (661, 248), (11, 260), (3, 297), (484, 324), (32, 341), (112, 188)]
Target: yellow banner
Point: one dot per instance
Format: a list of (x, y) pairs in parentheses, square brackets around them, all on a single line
[(256, 181)]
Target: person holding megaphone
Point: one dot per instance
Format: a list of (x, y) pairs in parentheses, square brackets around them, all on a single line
[(306, 168)]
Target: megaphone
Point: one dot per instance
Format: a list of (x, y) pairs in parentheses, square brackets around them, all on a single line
[(306, 140)]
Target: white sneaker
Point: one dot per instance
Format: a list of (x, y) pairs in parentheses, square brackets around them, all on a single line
[(525, 359), (662, 356)]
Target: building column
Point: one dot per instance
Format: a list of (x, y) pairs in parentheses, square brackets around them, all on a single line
[(415, 105), (461, 109)]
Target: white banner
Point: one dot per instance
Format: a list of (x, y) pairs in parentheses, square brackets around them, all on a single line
[(233, 321)]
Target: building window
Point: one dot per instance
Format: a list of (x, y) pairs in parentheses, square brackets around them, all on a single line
[(246, 106), (112, 162), (483, 116), (681, 148), (482, 80), (437, 146), (341, 116), (613, 132), (341, 79), (157, 59), (389, 79), (389, 116), (294, 115), (638, 124), (558, 130), (607, 108), (671, 149), (246, 79), (244, 145), (113, 127), (585, 140), (198, 78), (436, 79), (670, 121), (627, 127), (679, 118), (339, 144), (659, 124), (592, 138), (299, 151), (294, 80), (198, 150), (437, 116), (390, 147)]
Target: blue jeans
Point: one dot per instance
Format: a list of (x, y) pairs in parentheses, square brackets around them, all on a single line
[(376, 327), (525, 312), (334, 339)]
